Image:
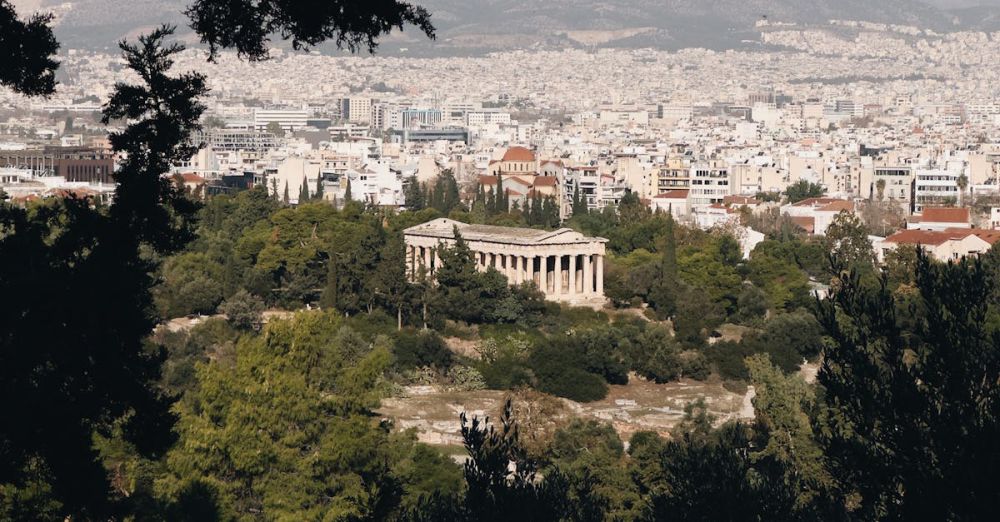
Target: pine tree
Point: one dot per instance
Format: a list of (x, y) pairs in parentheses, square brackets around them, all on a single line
[(303, 191), (392, 285)]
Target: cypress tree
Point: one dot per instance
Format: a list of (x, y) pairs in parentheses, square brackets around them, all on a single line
[(284, 198), (579, 201), (500, 201), (319, 188), (414, 195), (668, 264), (347, 191), (303, 191)]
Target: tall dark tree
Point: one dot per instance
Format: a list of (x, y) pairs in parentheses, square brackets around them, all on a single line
[(27, 48), (445, 195), (318, 193), (911, 423), (247, 26), (72, 362), (303, 191), (392, 287), (414, 194), (579, 206), (500, 198), (664, 293)]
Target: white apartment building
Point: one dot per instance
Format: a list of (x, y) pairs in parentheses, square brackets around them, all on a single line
[(935, 187), (709, 182), (486, 117), (289, 119)]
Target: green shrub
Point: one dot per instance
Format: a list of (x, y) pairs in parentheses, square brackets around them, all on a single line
[(727, 359), (560, 370), (574, 384), (694, 365), (424, 348), (664, 365), (505, 373)]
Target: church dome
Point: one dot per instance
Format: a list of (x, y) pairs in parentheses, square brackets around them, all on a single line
[(518, 154)]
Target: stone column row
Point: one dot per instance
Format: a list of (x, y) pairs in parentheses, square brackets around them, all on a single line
[(418, 257), (584, 272)]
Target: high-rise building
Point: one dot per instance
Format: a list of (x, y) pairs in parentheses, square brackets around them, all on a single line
[(356, 110)]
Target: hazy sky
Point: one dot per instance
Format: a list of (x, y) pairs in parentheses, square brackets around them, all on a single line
[(960, 3)]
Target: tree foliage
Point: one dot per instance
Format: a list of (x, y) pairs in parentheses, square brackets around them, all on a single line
[(28, 47), (247, 26), (72, 360), (803, 189), (910, 417)]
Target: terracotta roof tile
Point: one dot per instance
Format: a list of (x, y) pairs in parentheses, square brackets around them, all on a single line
[(945, 215), (673, 194), (518, 154), (807, 223)]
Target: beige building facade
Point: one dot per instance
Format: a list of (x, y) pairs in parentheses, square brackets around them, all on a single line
[(563, 264)]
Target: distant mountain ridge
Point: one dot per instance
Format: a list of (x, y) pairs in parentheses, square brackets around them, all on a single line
[(497, 24)]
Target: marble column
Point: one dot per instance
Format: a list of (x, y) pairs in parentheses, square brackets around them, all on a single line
[(600, 274), (572, 274), (543, 269), (427, 260), (557, 276), (529, 268), (588, 274)]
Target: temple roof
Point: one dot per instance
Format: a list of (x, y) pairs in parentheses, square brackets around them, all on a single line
[(444, 228)]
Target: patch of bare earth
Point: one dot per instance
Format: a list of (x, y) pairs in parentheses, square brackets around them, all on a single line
[(638, 406)]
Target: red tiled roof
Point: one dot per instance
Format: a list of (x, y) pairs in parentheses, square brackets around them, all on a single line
[(487, 180), (739, 200), (673, 194), (805, 222), (927, 237), (990, 236), (811, 202), (945, 215), (546, 181), (518, 154), (837, 206), (523, 181), (190, 177)]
